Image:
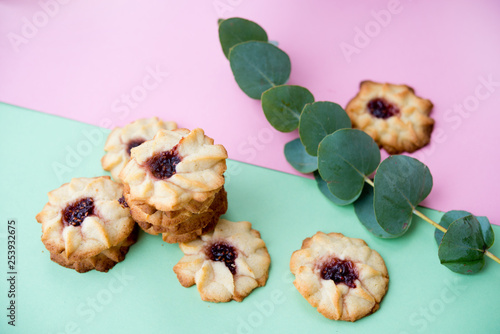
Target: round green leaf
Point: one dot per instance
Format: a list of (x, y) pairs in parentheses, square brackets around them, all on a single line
[(446, 220), (487, 230), (366, 214), (258, 66), (450, 216), (344, 159), (297, 156), (237, 30), (283, 105), (323, 187), (401, 183), (462, 247), (318, 120)]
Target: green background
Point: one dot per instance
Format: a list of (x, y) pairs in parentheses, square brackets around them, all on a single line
[(142, 294)]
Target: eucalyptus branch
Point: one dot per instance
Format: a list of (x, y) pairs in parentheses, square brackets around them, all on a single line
[(340, 157), (430, 221)]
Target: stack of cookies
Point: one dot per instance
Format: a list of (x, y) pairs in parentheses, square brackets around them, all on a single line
[(180, 225), (174, 184), (168, 180)]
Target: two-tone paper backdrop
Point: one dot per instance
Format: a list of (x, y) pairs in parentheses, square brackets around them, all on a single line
[(107, 63)]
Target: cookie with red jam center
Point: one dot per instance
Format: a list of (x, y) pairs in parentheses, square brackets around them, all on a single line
[(392, 115), (226, 264), (341, 277), (86, 225)]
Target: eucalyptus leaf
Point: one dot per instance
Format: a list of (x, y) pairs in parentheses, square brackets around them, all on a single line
[(487, 230), (297, 156), (283, 105), (366, 214), (318, 120), (344, 159), (323, 187), (450, 216), (401, 183), (258, 66), (462, 247), (237, 30)]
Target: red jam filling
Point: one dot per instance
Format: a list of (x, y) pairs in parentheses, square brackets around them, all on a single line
[(74, 214), (162, 165), (340, 271), (222, 252), (380, 108)]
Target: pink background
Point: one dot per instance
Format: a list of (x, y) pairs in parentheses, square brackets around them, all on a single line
[(86, 57)]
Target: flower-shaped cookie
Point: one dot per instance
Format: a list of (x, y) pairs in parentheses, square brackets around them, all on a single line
[(175, 168), (342, 277), (392, 115), (225, 264), (121, 140), (84, 219)]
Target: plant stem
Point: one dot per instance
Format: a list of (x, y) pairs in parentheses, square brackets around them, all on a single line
[(369, 181), (436, 225), (430, 221), (493, 256)]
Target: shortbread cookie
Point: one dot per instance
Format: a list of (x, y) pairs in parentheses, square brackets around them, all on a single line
[(392, 115), (226, 264), (121, 140), (102, 261), (342, 277), (173, 169), (154, 221), (84, 225)]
